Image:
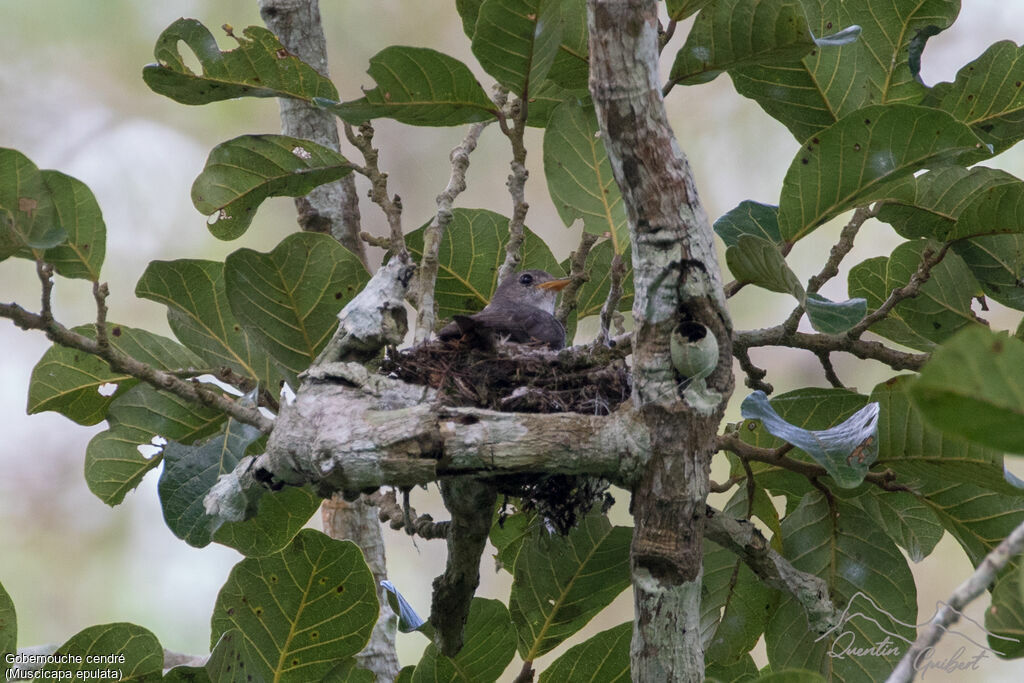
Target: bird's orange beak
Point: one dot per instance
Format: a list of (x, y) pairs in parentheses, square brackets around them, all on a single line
[(557, 285)]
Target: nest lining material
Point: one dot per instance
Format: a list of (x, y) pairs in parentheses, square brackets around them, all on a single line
[(525, 378), (519, 378)]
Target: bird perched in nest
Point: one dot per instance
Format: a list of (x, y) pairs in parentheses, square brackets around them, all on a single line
[(522, 310)]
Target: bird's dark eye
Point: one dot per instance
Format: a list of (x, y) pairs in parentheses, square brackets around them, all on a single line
[(526, 279)]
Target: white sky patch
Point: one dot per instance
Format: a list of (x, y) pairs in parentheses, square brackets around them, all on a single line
[(106, 389)]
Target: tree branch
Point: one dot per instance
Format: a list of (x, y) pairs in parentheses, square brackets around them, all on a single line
[(816, 343), (391, 206), (432, 235), (577, 276), (332, 208), (949, 613), (516, 185)]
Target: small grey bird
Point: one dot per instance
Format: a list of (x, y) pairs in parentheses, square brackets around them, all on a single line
[(522, 310)]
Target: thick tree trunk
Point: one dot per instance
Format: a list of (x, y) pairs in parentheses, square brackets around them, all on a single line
[(334, 209), (676, 279)]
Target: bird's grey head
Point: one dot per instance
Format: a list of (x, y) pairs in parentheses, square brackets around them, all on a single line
[(535, 288)]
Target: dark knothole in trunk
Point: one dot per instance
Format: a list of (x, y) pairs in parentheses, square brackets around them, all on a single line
[(526, 379)]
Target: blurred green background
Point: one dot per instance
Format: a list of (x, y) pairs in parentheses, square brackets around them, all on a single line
[(72, 99)]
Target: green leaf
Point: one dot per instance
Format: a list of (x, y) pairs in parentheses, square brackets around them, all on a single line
[(189, 474), (680, 9), (792, 676), (78, 213), (758, 261), (850, 162), (810, 94), (259, 67), (926, 458), (943, 304), (603, 658), (68, 381), (749, 218), (143, 655), (868, 279), (1004, 619), (997, 263), (420, 87), (988, 95), (240, 173), (113, 464), (932, 204), (200, 317), (547, 97), (488, 649), (8, 629), (846, 451), (468, 11), (973, 387), (571, 68), (28, 216), (187, 674), (737, 33), (832, 317), (279, 516), (516, 41), (348, 671), (908, 521), (301, 610), (289, 298), (472, 249), (743, 671), (580, 176), (232, 660), (560, 583), (868, 578)]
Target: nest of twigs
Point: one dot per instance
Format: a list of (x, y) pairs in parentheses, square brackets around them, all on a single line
[(519, 378), (527, 379)]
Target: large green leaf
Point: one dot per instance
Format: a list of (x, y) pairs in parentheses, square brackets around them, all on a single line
[(143, 655), (997, 263), (8, 630), (908, 521), (560, 583), (680, 9), (240, 173), (736, 33), (259, 67), (302, 610), (516, 41), (190, 471), (943, 304), (868, 578), (28, 216), (289, 298), (988, 95), (580, 176), (953, 202), (868, 279), (810, 94), (113, 463), (200, 317), (973, 387), (603, 658), (232, 659), (756, 260), (489, 647), (851, 162), (421, 87), (70, 381), (78, 213), (279, 516), (749, 218), (472, 249)]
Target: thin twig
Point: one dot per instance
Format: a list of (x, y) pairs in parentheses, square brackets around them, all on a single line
[(929, 259), (755, 375), (577, 276), (403, 517), (776, 456), (432, 235), (391, 206), (516, 185), (617, 272), (825, 358), (123, 363)]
